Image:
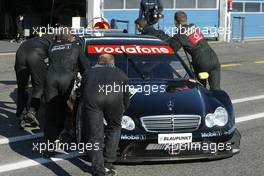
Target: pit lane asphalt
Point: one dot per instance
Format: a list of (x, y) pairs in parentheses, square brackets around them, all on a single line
[(246, 80)]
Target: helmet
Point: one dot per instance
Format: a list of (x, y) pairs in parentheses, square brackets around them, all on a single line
[(102, 25)]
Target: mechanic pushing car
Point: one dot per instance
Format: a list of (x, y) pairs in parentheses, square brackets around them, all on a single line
[(188, 36), (97, 105), (151, 11), (30, 63), (65, 60)]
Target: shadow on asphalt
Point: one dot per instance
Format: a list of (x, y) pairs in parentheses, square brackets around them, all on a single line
[(56, 169), (81, 165), (8, 82), (5, 112), (9, 127), (8, 119)]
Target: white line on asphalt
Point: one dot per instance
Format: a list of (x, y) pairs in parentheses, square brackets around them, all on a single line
[(250, 117), (8, 54), (241, 100), (4, 115), (20, 138), (35, 162)]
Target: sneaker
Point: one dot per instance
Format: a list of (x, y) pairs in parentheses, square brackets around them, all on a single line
[(109, 166), (110, 171), (31, 119), (22, 124)]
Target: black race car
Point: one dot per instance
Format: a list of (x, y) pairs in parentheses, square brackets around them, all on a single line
[(171, 115)]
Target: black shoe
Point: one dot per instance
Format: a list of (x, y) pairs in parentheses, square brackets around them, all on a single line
[(66, 136), (30, 118), (48, 154), (110, 171)]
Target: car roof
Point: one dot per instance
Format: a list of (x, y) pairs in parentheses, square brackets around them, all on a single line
[(123, 38), (126, 35)]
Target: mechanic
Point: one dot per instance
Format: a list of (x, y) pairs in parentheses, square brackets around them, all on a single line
[(20, 28), (97, 106), (151, 10), (188, 36), (30, 63), (66, 59)]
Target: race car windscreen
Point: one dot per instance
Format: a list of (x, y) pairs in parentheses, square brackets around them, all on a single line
[(142, 62)]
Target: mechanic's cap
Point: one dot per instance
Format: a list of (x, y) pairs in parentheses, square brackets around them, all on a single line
[(106, 59)]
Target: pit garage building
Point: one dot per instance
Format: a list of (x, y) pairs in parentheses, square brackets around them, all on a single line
[(204, 13), (238, 16)]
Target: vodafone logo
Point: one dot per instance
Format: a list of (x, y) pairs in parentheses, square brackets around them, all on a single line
[(129, 49), (196, 37)]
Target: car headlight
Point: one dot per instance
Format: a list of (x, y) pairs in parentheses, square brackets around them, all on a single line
[(127, 123), (219, 118), (209, 120)]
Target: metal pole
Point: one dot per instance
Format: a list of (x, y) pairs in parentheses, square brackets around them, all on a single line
[(93, 9), (102, 8), (233, 26), (239, 29), (243, 29)]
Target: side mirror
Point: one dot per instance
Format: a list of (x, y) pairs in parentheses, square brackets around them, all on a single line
[(203, 75)]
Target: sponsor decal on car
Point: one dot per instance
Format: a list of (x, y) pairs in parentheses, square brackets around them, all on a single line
[(175, 138), (129, 49), (219, 133), (212, 134), (133, 137)]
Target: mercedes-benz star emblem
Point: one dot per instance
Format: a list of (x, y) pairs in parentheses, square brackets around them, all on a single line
[(170, 105)]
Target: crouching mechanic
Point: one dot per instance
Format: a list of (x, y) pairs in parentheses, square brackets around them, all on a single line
[(98, 105), (188, 36), (65, 60), (30, 63)]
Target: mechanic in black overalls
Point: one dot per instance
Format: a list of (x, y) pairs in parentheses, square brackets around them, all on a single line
[(97, 105), (20, 28), (204, 59), (65, 60), (151, 10), (30, 63)]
